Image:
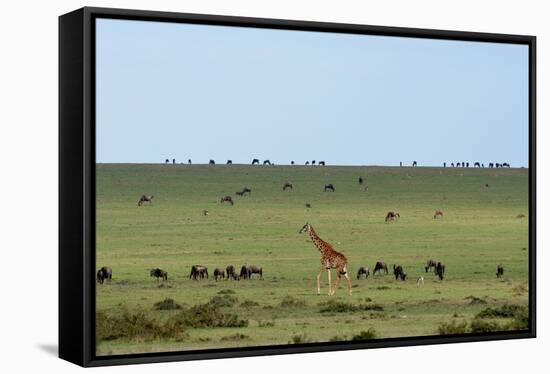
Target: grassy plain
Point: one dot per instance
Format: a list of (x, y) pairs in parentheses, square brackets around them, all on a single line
[(479, 230)]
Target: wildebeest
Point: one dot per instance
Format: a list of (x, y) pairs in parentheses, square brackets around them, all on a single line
[(103, 274), (229, 162), (360, 180), (267, 162), (438, 213), (420, 281), (145, 198), (363, 271), (444, 164), (211, 162), (505, 165), (159, 273), (173, 161), (379, 266), (500, 271), (255, 161), (322, 163), (487, 185), (247, 271), (400, 163), (491, 164), (329, 186), (288, 185), (429, 265), (452, 164), (246, 190), (307, 163), (204, 212), (414, 164), (219, 274), (239, 193), (477, 165), (230, 271), (308, 205), (189, 161), (392, 216), (198, 272), (440, 270), (313, 162), (226, 199), (399, 273), (291, 162)]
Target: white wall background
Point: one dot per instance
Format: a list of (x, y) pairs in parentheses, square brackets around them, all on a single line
[(28, 184)]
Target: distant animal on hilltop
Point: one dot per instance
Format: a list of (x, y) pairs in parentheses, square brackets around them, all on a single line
[(229, 162), (255, 161), (438, 213), (189, 161), (500, 271), (307, 163), (322, 163), (329, 187), (288, 185), (414, 164), (308, 205), (392, 216), (145, 199), (291, 162), (379, 266), (363, 272), (226, 199), (267, 162), (360, 180), (211, 162), (159, 274), (103, 274)]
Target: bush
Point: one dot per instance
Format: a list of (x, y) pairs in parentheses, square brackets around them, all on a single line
[(209, 315), (337, 338), (249, 303), (223, 301), (226, 292), (235, 337), (480, 326), (299, 339), (475, 300), (266, 323), (365, 335), (291, 302), (166, 304), (452, 328), (333, 306), (505, 311)]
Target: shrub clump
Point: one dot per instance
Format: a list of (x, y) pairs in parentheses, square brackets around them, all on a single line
[(333, 306), (365, 335), (226, 292), (209, 315), (291, 302), (505, 311), (452, 328), (223, 301), (235, 337), (166, 304), (481, 326), (249, 303), (299, 339)]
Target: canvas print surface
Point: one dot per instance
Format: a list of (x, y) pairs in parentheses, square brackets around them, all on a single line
[(260, 187)]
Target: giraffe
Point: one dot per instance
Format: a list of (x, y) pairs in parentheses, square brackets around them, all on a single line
[(330, 258)]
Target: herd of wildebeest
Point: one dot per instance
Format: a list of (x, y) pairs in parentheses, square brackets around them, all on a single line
[(200, 272)]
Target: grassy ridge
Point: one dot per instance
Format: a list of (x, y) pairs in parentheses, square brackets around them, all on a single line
[(480, 229)]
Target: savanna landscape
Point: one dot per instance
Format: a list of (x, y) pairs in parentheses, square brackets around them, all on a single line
[(484, 224)]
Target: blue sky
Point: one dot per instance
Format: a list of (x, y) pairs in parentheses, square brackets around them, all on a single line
[(182, 91)]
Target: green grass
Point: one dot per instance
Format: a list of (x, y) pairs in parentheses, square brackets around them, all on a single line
[(479, 230)]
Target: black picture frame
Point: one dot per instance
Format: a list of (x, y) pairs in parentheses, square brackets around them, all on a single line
[(77, 183)]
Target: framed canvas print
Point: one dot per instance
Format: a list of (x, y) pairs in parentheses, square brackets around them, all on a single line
[(236, 186)]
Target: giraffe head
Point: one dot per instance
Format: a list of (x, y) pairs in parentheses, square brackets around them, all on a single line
[(306, 228)]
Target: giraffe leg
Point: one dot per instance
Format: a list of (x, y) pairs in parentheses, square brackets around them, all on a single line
[(329, 283), (349, 283), (337, 283), (319, 283)]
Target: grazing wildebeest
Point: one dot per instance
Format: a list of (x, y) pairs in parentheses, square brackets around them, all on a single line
[(379, 267), (145, 198), (363, 271), (229, 162), (438, 213), (491, 164), (440, 270), (189, 161), (307, 163), (399, 273), (288, 185), (322, 163), (239, 193), (267, 162), (198, 272), (230, 271), (505, 165), (487, 185), (467, 164), (291, 162), (255, 162), (244, 272), (211, 162), (400, 163), (462, 163), (167, 161), (313, 162), (414, 164), (452, 164), (173, 161), (226, 199), (329, 186), (247, 271), (246, 190), (103, 274), (500, 271), (219, 274), (308, 205), (477, 165), (392, 216), (429, 265), (444, 164), (458, 164), (204, 212), (482, 165), (420, 281), (159, 273), (360, 180)]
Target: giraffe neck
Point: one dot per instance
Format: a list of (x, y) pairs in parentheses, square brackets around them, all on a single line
[(317, 241)]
